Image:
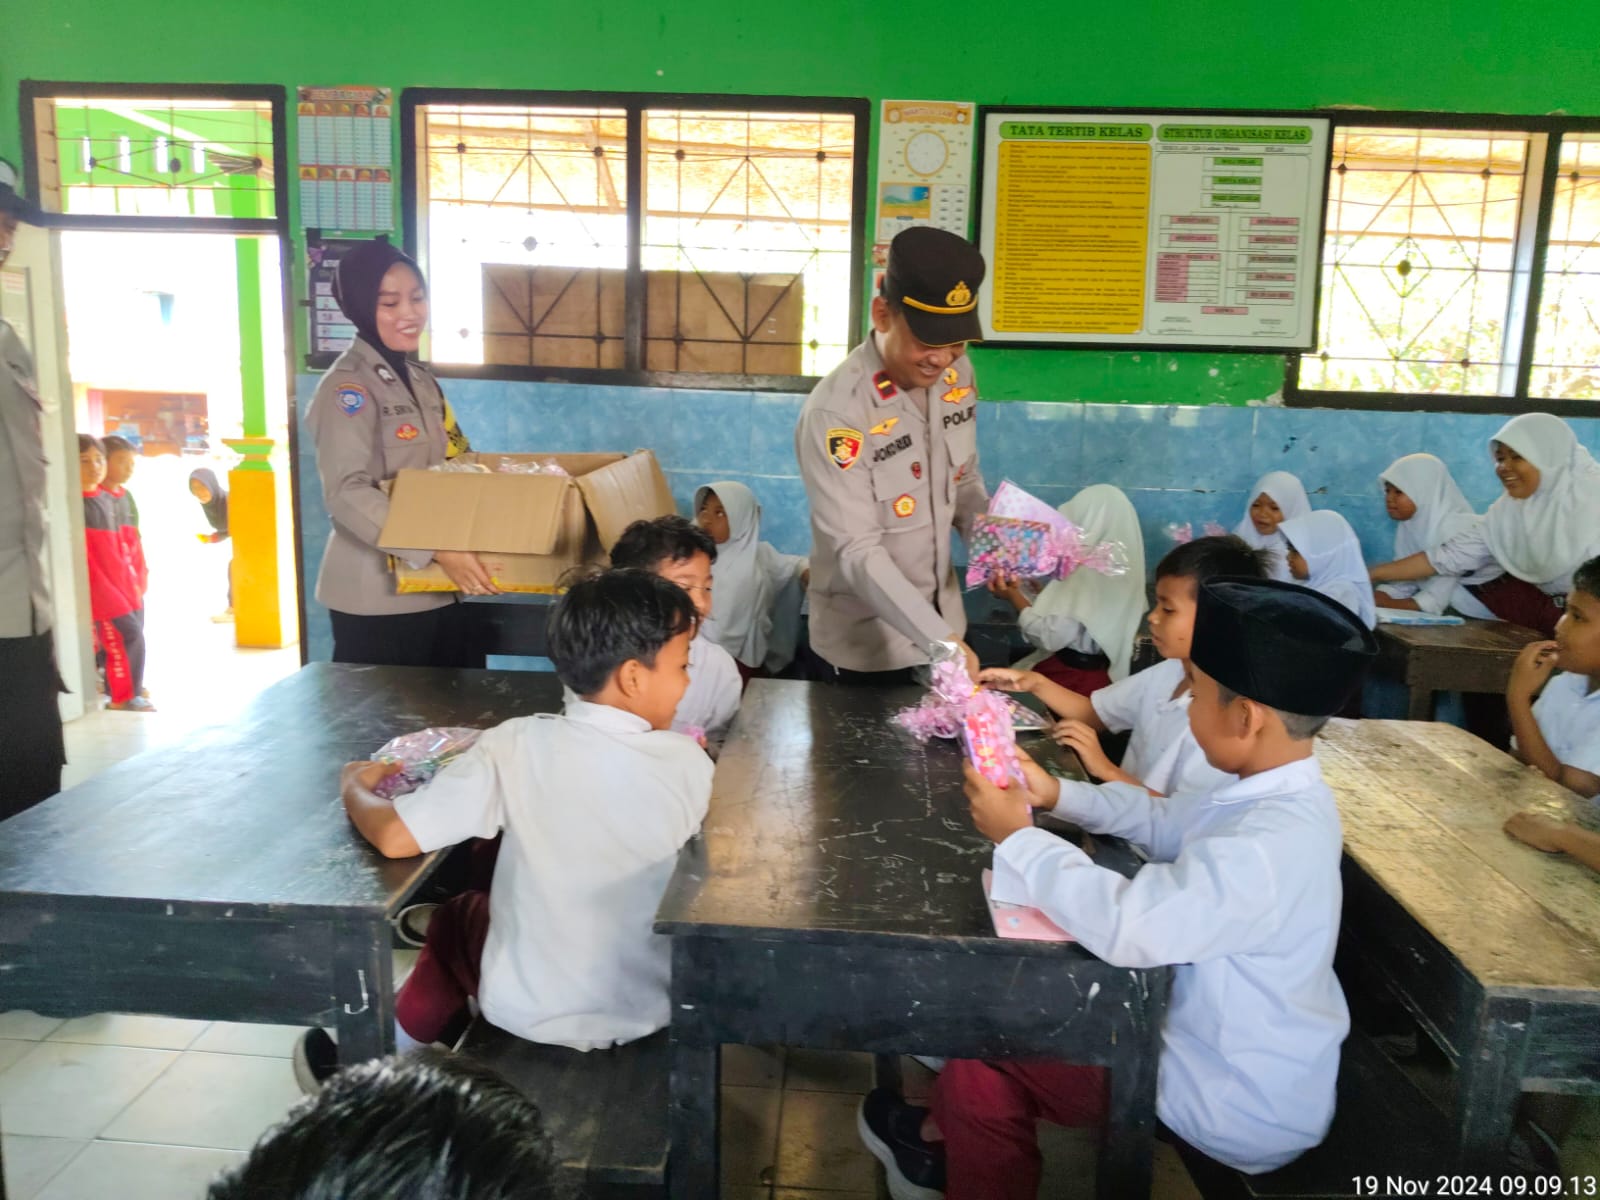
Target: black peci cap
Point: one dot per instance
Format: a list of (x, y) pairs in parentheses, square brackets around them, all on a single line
[(935, 275), (1281, 645), (12, 199)]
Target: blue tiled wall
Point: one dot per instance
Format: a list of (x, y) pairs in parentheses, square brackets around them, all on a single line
[(1177, 464)]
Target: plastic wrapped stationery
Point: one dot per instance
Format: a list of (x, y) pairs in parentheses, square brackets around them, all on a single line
[(991, 742), (1022, 536), (421, 756), (943, 711)]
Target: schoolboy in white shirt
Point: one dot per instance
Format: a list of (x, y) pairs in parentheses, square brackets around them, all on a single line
[(1559, 732), (1241, 895), (1162, 756), (681, 552), (594, 803)]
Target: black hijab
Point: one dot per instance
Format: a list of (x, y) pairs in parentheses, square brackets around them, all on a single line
[(216, 508), (355, 286)]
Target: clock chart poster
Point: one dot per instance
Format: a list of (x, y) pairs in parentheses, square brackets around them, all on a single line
[(924, 168)]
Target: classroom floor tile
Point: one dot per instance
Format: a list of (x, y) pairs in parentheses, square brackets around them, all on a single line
[(749, 1135), (31, 1162), (263, 1041), (126, 1029), (64, 1089), (28, 1026), (182, 1108), (752, 1066), (11, 1050), (130, 1171), (818, 1146), (827, 1071)]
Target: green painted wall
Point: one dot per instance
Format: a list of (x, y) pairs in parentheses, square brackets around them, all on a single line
[(1463, 55)]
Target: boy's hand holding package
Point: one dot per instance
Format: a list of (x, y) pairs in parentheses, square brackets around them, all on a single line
[(999, 812)]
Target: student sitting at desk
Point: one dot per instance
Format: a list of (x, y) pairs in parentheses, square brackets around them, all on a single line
[(1325, 555), (1276, 497), (1241, 895), (1083, 626), (1545, 526), (594, 803), (1162, 756), (1559, 732), (759, 592), (683, 553), (1427, 508)]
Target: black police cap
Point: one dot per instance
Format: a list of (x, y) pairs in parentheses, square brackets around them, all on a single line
[(934, 275)]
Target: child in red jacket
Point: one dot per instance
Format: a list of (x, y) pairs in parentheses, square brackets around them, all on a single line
[(114, 595)]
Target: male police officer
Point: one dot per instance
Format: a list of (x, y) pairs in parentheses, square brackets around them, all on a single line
[(888, 450), (31, 753)]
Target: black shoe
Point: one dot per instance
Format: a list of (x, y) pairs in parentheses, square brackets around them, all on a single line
[(316, 1058), (892, 1130)]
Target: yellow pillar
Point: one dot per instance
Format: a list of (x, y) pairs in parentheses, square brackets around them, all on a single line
[(264, 610)]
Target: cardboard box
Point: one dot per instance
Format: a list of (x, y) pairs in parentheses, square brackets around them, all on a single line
[(530, 530)]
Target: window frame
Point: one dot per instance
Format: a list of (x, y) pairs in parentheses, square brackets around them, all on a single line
[(635, 105), (274, 95), (1553, 127)]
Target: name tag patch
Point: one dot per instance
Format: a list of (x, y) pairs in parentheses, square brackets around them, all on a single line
[(885, 452), (960, 417)]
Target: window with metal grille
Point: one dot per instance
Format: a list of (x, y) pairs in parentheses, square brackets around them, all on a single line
[(132, 156), (700, 236), (1460, 265), (1566, 356)]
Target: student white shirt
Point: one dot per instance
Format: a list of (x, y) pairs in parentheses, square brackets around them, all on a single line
[(1242, 895), (712, 699), (1050, 631), (1162, 752), (595, 806), (1469, 552), (1569, 717)]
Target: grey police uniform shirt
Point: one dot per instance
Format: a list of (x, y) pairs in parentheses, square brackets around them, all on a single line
[(882, 583), (367, 426), (24, 588)]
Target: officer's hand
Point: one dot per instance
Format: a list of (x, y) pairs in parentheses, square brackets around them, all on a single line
[(973, 670), (467, 572)]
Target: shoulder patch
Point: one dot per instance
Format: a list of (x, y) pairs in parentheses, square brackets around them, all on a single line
[(844, 447), (885, 385), (352, 397)]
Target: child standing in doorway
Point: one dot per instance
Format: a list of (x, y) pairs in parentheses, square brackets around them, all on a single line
[(114, 596)]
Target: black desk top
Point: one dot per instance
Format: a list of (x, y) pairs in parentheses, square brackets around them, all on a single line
[(248, 814), (828, 823)]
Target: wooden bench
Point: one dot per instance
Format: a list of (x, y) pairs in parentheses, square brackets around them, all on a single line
[(605, 1110), (1383, 1126), (1473, 657)]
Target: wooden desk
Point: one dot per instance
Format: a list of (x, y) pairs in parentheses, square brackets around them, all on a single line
[(835, 901), (1474, 657), (1492, 945), (219, 878)]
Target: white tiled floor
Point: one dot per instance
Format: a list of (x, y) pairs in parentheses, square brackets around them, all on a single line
[(131, 1107)]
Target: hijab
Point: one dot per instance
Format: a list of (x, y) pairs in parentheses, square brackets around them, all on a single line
[(1289, 494), (1442, 513), (355, 287), (1108, 606), (742, 591), (216, 508), (1329, 546), (1554, 531)]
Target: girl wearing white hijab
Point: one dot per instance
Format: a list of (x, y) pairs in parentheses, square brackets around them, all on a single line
[(1084, 625), (1421, 497), (756, 592), (1276, 497), (1325, 555), (1544, 527)]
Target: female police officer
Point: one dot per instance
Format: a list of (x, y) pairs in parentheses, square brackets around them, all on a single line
[(374, 414)]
